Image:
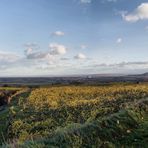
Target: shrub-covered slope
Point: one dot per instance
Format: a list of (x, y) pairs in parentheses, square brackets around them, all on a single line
[(81, 116)]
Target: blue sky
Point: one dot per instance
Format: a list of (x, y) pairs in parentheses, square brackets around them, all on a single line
[(63, 37)]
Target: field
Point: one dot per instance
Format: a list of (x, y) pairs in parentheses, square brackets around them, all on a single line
[(113, 115)]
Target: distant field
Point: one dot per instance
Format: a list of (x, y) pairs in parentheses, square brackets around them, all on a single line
[(9, 88), (75, 80), (112, 115)]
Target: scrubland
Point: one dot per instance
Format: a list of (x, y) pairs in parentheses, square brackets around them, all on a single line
[(114, 115)]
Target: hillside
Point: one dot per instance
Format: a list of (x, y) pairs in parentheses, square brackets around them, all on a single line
[(79, 116)]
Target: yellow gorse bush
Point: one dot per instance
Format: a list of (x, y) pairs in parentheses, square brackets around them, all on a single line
[(77, 95), (50, 111)]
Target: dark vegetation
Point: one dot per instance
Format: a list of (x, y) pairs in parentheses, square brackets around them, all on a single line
[(113, 115), (5, 96)]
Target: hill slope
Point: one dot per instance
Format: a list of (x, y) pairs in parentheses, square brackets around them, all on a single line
[(81, 116)]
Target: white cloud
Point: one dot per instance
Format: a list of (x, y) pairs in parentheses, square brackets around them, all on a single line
[(57, 49), (140, 13), (80, 56), (32, 45), (8, 57), (32, 51), (29, 51), (38, 55), (35, 54), (119, 40), (58, 33), (85, 1), (43, 60), (83, 46)]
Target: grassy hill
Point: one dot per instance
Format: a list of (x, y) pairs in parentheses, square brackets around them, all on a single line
[(78, 116)]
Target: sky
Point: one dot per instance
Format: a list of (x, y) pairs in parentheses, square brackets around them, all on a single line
[(66, 37)]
